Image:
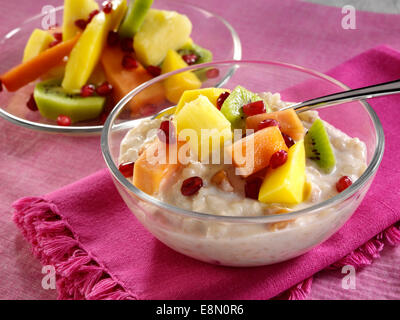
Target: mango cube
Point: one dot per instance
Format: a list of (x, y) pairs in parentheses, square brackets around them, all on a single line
[(189, 95), (160, 31), (285, 184), (38, 42), (176, 85), (86, 54), (206, 128)]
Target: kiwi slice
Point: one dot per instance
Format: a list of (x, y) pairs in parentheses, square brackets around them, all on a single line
[(318, 147), (232, 108), (134, 18), (52, 101), (192, 48)]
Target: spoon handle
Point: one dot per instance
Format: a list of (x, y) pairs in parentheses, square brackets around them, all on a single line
[(377, 90)]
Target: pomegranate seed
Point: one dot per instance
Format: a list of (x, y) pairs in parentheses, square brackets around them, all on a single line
[(81, 24), (1, 85), (252, 187), (31, 104), (190, 58), (343, 183), (54, 43), (267, 123), (107, 7), (212, 73), (154, 70), (128, 62), (104, 89), (112, 39), (127, 45), (92, 15), (57, 36), (126, 169), (166, 133), (87, 90), (64, 121), (191, 186), (278, 158), (221, 99), (254, 108), (288, 140)]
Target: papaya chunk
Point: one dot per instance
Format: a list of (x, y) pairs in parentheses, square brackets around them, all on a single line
[(253, 153), (124, 80), (288, 120)]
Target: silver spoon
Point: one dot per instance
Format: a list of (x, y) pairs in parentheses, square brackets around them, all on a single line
[(376, 90)]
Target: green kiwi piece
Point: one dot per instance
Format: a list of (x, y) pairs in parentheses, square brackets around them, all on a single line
[(203, 54), (232, 108), (318, 147), (52, 101), (134, 18)]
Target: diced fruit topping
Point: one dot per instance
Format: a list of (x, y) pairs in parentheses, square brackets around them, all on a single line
[(191, 186), (190, 58), (189, 95), (127, 45), (64, 121), (268, 123), (166, 133), (288, 140), (343, 183), (31, 104), (221, 180), (190, 48), (254, 108), (129, 62), (253, 152), (285, 184), (160, 31), (212, 73), (87, 90), (252, 187), (232, 108), (112, 39), (81, 23), (289, 122), (107, 7), (126, 169), (278, 159), (155, 71), (318, 146), (57, 36), (104, 89), (221, 99), (134, 18)]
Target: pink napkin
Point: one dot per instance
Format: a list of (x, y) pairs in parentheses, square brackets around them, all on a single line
[(100, 251)]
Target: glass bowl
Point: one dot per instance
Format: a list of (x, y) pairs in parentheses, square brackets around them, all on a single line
[(255, 240), (224, 44)]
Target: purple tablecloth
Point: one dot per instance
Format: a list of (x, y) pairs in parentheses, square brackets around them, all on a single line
[(34, 163)]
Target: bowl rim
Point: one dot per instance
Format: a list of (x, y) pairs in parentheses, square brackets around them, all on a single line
[(344, 195), (96, 129)]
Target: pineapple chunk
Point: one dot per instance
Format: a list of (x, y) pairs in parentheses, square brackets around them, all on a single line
[(161, 30), (176, 85), (38, 42), (286, 183), (189, 95), (86, 54), (208, 128), (75, 10)]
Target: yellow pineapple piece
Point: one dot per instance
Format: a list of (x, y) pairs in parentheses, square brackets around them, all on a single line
[(38, 42), (176, 85), (189, 95), (208, 128), (285, 184), (86, 54), (161, 30), (75, 10)]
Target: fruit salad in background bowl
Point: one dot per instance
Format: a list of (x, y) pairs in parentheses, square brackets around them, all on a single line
[(68, 76), (224, 176)]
